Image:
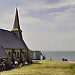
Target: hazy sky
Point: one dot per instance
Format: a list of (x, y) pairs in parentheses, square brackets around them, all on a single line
[(46, 24)]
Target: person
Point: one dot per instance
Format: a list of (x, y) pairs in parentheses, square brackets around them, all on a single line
[(0, 67), (50, 58), (3, 66), (16, 64), (20, 65), (11, 63), (26, 63)]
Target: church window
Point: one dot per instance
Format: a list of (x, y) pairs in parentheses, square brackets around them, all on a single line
[(17, 54), (24, 54), (9, 54), (12, 52)]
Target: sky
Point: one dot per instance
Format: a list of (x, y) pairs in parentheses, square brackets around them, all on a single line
[(46, 24)]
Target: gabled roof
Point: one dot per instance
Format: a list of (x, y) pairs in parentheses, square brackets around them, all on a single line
[(2, 52), (8, 39)]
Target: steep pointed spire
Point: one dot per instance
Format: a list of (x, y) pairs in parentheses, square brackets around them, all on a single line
[(16, 28), (16, 22)]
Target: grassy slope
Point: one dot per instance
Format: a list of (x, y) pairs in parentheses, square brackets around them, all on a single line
[(45, 68)]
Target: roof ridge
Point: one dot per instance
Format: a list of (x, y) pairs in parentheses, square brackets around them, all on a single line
[(5, 30)]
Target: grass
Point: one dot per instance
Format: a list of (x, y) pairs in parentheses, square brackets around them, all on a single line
[(45, 68)]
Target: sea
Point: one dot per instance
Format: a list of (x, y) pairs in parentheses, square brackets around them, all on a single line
[(58, 55)]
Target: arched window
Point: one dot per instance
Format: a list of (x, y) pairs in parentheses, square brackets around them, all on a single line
[(9, 54), (17, 54), (12, 52), (24, 54)]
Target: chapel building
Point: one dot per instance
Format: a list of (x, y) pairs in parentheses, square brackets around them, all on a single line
[(12, 46)]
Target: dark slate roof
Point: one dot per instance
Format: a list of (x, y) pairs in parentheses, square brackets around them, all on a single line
[(2, 53), (8, 39)]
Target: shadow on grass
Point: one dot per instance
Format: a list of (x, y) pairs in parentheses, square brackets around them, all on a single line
[(11, 68)]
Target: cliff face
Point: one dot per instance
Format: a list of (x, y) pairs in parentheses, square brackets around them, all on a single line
[(36, 55)]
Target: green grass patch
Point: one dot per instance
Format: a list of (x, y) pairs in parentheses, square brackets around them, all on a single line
[(44, 68)]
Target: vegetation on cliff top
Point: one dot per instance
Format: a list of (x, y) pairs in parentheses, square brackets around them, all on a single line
[(44, 68)]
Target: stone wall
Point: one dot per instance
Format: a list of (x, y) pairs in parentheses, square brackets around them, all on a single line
[(19, 55)]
